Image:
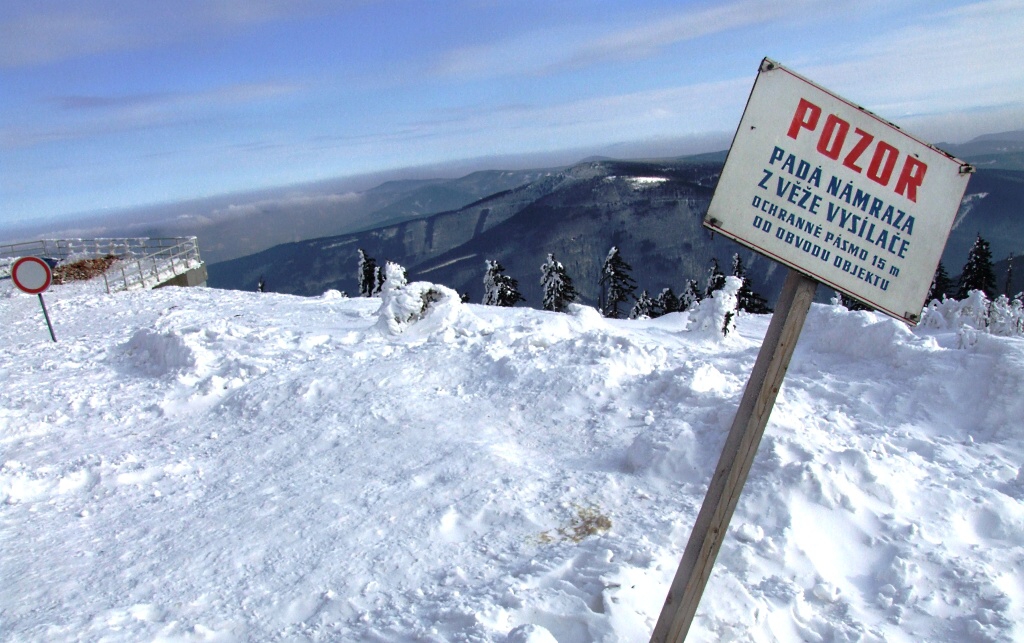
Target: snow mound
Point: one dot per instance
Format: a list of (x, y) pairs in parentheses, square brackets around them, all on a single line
[(530, 634), (160, 353), (676, 455)]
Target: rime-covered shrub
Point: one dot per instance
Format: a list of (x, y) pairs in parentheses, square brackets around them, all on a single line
[(976, 314), (717, 313), (403, 304)]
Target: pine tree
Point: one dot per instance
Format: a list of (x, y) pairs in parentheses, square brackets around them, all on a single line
[(557, 285), (499, 288), (643, 306), (716, 278), (977, 273), (691, 296), (746, 299), (367, 275), (942, 285), (616, 283), (666, 302)]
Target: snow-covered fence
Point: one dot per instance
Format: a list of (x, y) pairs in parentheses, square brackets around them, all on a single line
[(143, 262)]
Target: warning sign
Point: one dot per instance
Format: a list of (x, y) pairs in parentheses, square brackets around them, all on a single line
[(828, 188)]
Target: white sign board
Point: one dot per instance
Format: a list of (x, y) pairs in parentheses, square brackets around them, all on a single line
[(829, 189)]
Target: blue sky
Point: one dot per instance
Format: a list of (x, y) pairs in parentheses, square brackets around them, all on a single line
[(107, 104)]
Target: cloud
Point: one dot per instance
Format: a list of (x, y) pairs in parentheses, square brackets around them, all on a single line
[(647, 39), (96, 115), (38, 32), (578, 46), (959, 61), (236, 210), (683, 113)]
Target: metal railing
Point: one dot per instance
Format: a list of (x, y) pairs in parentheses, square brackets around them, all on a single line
[(142, 262)]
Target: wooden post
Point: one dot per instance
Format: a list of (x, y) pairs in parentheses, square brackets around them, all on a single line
[(737, 456)]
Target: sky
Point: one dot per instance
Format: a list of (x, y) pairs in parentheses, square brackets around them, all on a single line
[(112, 104)]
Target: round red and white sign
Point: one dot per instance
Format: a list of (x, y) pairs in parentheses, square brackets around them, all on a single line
[(31, 275)]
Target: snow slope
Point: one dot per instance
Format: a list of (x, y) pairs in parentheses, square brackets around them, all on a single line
[(204, 465)]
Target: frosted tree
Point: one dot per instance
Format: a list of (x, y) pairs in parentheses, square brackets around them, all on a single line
[(616, 283), (691, 296), (942, 285), (378, 280), (367, 275), (499, 288), (716, 278), (643, 306), (977, 273), (747, 300), (716, 313), (666, 302), (557, 285)]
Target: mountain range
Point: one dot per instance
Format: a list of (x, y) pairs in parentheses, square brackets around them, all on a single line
[(652, 210)]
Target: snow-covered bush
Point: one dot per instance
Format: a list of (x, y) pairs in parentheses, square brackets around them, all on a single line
[(718, 312), (403, 304), (976, 314), (1006, 316)]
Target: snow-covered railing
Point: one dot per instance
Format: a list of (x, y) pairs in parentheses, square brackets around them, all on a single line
[(166, 262), (143, 262)]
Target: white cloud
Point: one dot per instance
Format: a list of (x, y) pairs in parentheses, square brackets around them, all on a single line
[(582, 45), (82, 117), (37, 32), (963, 61)]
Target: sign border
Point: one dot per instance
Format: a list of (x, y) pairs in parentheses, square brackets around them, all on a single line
[(26, 289)]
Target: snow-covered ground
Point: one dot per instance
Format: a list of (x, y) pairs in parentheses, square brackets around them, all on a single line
[(204, 465)]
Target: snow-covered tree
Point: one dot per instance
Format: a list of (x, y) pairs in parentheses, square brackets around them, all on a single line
[(616, 283), (747, 300), (404, 304), (643, 307), (378, 280), (261, 285), (977, 273), (499, 288), (716, 278), (367, 275), (942, 285), (691, 295), (666, 302), (557, 285), (717, 313)]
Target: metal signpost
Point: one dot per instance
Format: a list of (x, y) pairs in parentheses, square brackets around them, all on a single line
[(842, 197), (32, 275)]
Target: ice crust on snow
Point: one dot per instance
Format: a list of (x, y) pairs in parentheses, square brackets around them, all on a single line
[(193, 464)]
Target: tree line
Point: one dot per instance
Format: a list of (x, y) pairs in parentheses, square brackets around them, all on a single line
[(618, 288)]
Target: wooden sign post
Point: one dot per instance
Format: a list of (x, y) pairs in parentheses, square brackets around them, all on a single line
[(842, 197)]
